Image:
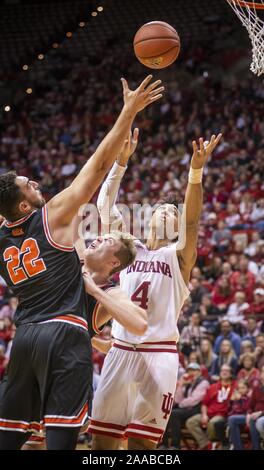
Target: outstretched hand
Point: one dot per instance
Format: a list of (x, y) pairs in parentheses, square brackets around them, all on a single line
[(129, 147), (202, 152), (145, 94)]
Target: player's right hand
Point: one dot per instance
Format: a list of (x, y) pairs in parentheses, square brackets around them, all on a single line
[(128, 148), (145, 94)]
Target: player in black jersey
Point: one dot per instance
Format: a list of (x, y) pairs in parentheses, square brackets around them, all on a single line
[(49, 375)]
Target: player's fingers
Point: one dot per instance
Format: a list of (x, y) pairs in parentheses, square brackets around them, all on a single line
[(209, 145), (156, 91), (154, 98), (216, 141), (153, 85), (145, 82), (124, 85), (194, 144), (135, 136), (218, 138), (201, 143)]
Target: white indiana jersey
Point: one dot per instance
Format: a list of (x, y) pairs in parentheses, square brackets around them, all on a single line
[(154, 282)]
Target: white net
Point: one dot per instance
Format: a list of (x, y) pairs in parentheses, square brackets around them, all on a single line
[(251, 13)]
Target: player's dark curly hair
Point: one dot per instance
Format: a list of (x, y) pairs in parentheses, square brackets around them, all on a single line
[(10, 195), (171, 198)]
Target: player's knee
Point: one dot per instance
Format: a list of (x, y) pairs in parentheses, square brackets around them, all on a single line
[(104, 442), (136, 443)]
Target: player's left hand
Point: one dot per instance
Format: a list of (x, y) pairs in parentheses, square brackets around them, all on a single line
[(203, 150), (90, 286), (128, 148)]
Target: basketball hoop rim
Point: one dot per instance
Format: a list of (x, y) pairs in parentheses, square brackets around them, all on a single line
[(253, 5)]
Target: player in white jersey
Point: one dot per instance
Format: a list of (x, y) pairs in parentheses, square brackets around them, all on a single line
[(135, 394)]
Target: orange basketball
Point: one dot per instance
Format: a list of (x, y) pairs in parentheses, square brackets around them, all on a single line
[(157, 44)]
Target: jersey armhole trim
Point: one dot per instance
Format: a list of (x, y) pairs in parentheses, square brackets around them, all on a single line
[(97, 329), (48, 235), (94, 322)]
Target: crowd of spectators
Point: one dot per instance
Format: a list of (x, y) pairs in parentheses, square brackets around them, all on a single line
[(50, 135)]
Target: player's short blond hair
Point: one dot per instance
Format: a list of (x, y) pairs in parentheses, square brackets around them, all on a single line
[(127, 252)]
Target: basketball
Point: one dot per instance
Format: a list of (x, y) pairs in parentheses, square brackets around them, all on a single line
[(157, 44)]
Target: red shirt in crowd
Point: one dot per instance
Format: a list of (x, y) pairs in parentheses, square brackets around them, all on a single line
[(243, 281), (255, 309), (218, 298), (257, 399), (251, 377), (217, 398), (238, 407)]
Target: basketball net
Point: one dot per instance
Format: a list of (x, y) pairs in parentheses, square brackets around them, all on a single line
[(248, 13)]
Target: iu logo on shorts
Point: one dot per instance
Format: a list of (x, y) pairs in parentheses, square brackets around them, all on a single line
[(167, 405)]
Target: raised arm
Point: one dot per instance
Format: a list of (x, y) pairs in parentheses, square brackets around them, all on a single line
[(193, 204), (111, 218), (116, 304), (63, 207)]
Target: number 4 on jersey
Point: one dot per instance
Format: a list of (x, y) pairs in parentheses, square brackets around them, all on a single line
[(140, 295)]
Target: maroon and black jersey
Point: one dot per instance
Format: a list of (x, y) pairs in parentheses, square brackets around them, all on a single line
[(44, 275), (93, 306)]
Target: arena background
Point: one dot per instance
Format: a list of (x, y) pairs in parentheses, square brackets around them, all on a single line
[(60, 93)]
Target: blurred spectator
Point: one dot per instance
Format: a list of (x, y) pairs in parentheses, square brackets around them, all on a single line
[(192, 334), (191, 389), (214, 409), (209, 313), (232, 219), (238, 407), (243, 279), (237, 308), (5, 330), (7, 311), (222, 237), (197, 291), (252, 329), (246, 347), (260, 426), (254, 246), (207, 355), (226, 356), (257, 306), (259, 351), (227, 269), (222, 294), (214, 270), (248, 372), (255, 410), (257, 215), (227, 333)]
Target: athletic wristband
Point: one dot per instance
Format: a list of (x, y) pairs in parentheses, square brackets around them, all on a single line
[(195, 175), (117, 170)]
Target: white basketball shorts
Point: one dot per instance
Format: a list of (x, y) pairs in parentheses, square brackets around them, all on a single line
[(135, 394)]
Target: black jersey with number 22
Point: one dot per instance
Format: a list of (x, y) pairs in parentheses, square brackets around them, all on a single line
[(45, 276)]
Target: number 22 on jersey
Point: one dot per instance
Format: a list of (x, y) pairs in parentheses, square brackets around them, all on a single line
[(25, 262)]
